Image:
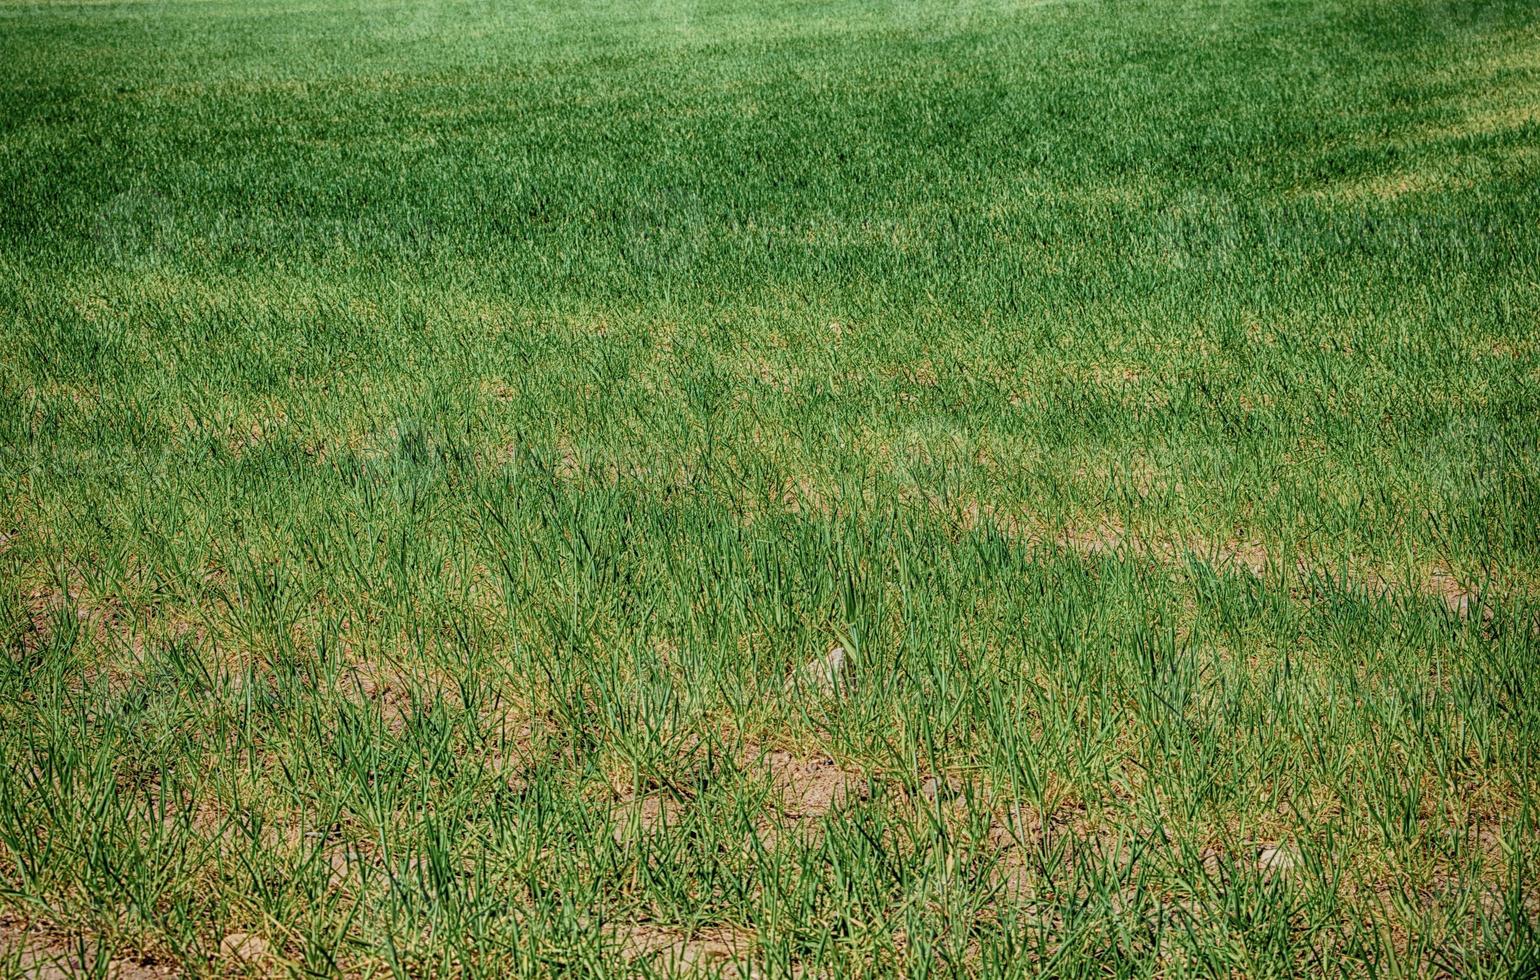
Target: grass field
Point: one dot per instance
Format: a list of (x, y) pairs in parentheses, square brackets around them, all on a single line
[(440, 443)]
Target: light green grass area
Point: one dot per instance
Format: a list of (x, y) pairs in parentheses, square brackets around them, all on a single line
[(436, 438)]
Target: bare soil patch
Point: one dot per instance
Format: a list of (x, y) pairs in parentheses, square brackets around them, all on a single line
[(718, 950), (35, 952)]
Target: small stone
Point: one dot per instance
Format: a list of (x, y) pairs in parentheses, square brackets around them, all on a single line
[(243, 947), (931, 789), (1461, 602), (1211, 860), (341, 863), (828, 673), (1277, 857), (836, 665)]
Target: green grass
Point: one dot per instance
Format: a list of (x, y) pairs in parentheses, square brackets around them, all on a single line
[(435, 436)]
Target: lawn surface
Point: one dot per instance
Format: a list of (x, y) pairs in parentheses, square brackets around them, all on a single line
[(441, 442)]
